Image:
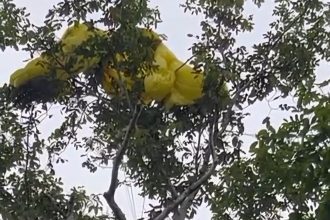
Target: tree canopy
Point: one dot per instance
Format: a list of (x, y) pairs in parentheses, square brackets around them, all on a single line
[(185, 155)]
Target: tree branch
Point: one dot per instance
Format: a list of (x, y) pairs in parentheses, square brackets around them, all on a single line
[(181, 213), (197, 151), (186, 193), (110, 194), (193, 188)]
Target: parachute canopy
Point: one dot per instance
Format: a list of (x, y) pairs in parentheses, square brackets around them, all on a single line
[(171, 81)]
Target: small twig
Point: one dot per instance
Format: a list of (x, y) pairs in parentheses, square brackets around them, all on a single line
[(182, 65), (82, 115), (110, 194), (123, 88), (197, 151)]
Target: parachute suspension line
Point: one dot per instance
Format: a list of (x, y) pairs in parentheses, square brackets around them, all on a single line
[(143, 203), (132, 199)]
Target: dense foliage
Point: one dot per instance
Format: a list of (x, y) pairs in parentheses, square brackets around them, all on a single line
[(187, 155)]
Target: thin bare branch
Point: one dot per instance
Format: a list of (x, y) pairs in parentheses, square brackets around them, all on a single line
[(197, 151), (110, 194), (196, 185)]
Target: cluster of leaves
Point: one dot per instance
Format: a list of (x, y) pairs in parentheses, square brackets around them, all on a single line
[(171, 155), (14, 24), (288, 173), (28, 191)]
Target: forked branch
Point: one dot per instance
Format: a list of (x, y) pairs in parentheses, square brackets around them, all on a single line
[(110, 194)]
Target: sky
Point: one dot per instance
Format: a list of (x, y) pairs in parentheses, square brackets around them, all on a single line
[(176, 25)]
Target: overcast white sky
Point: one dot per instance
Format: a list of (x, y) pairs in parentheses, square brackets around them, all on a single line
[(176, 25)]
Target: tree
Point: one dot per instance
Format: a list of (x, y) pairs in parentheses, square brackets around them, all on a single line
[(186, 155)]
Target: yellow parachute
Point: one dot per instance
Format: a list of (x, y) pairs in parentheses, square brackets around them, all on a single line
[(171, 81), (60, 64)]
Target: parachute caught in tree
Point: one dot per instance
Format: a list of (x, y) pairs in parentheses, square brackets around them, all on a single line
[(171, 81)]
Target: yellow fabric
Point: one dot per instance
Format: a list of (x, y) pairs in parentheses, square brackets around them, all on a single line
[(158, 85), (159, 82), (74, 37), (34, 68), (171, 81), (149, 33), (59, 64), (166, 53), (188, 82), (174, 82), (176, 98), (188, 85)]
